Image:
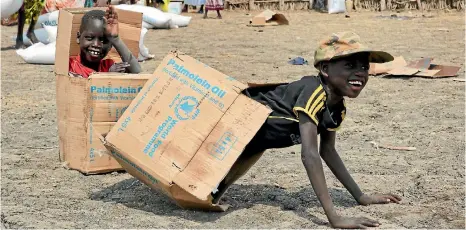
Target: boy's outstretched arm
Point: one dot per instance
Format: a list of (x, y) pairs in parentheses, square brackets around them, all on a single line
[(111, 18), (334, 162), (313, 164)]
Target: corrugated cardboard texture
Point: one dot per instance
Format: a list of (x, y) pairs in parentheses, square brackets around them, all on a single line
[(186, 127), (69, 22), (85, 106)]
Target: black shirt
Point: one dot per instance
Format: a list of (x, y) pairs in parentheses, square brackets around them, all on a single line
[(307, 95)]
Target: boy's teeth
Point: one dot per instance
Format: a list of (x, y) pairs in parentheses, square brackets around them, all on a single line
[(355, 83)]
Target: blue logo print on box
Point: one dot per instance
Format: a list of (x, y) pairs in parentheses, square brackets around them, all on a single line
[(223, 145), (186, 109)]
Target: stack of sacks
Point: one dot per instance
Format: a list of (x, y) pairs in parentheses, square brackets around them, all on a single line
[(44, 52), (155, 18)]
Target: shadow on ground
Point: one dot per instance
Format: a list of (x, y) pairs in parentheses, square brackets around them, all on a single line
[(134, 194)]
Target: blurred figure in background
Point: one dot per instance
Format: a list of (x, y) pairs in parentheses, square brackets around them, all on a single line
[(213, 5), (28, 13), (194, 3)]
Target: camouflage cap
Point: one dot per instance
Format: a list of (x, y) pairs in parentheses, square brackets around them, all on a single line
[(344, 44)]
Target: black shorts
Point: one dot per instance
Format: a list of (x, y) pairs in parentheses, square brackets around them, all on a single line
[(275, 133)]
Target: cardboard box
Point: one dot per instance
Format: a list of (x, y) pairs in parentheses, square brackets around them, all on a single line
[(268, 18), (185, 129), (89, 106)]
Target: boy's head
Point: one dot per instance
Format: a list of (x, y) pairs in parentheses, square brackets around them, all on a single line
[(344, 63), (91, 36)]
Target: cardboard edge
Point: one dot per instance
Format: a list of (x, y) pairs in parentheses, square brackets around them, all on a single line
[(62, 42)]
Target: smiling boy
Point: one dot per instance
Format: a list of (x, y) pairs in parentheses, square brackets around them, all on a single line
[(97, 34), (312, 106)]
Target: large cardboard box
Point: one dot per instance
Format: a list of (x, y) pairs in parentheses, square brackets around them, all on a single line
[(185, 129), (89, 106)]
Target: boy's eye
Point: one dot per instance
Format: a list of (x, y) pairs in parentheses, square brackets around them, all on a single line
[(366, 67), (89, 38), (349, 65)]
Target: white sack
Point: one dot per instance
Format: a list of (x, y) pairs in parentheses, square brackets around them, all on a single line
[(51, 33), (178, 20), (150, 15), (48, 19), (41, 35), (38, 54), (336, 6), (147, 25), (10, 7)]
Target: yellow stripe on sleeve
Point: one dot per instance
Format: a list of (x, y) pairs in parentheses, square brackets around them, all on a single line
[(313, 118), (316, 92), (317, 108), (316, 103)]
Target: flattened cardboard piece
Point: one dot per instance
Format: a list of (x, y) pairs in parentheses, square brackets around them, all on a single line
[(403, 71), (268, 18), (445, 71), (420, 68), (421, 64), (81, 108), (382, 68), (186, 128)]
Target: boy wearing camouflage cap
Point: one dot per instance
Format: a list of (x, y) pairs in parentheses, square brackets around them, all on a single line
[(311, 106)]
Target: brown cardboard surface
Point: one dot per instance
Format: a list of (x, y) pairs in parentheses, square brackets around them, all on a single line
[(86, 107), (267, 18), (381, 68), (185, 129), (419, 68)]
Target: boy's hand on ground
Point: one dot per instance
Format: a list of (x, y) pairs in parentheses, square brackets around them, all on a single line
[(379, 199), (119, 67), (354, 222), (111, 19)]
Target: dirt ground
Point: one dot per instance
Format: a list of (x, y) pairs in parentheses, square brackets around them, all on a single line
[(37, 192)]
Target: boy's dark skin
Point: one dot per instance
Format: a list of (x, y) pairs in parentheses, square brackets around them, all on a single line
[(336, 74), (30, 33), (99, 36)]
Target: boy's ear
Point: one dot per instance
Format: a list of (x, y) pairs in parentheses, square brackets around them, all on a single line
[(78, 35), (323, 68)]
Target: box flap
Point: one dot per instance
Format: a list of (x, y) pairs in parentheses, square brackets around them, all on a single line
[(69, 21), (421, 64), (445, 71), (222, 147)]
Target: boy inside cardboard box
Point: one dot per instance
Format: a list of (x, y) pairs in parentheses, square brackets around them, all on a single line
[(193, 130), (86, 106)]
